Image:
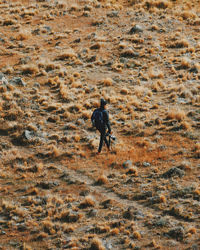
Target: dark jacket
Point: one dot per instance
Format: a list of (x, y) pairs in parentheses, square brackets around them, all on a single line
[(106, 121)]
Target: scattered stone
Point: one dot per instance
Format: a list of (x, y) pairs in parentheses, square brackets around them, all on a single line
[(129, 53), (26, 138), (113, 14), (146, 164), (176, 233), (136, 29), (95, 46), (127, 164), (92, 213), (173, 172), (18, 81), (47, 185)]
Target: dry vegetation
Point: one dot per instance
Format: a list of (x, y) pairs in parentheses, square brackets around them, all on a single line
[(57, 58)]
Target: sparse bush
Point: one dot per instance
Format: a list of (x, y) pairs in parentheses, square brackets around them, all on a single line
[(177, 114), (97, 244), (29, 69), (137, 235), (102, 179), (67, 54), (87, 202)]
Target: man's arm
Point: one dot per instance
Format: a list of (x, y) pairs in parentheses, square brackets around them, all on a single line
[(107, 121)]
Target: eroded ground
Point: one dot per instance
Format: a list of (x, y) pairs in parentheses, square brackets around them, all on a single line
[(57, 59)]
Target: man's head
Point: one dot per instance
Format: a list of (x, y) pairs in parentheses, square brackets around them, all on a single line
[(103, 103)]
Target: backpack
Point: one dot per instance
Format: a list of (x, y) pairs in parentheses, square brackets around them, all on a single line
[(97, 118)]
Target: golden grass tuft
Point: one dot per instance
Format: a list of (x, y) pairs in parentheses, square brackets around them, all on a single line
[(23, 35), (26, 247), (68, 228), (176, 114), (114, 231), (30, 69), (163, 198), (181, 43), (67, 54), (48, 226), (63, 91), (102, 179), (132, 171), (185, 63), (155, 73), (87, 202), (137, 235), (185, 125), (107, 82), (97, 244), (192, 230)]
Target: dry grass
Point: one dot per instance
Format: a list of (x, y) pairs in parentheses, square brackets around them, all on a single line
[(102, 179), (176, 114), (97, 244), (87, 202), (30, 69)]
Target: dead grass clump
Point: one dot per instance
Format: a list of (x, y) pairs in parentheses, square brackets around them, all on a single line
[(68, 228), (42, 236), (102, 179), (97, 244), (141, 91), (64, 91), (176, 114), (69, 216), (23, 35), (77, 84), (107, 82), (132, 171), (182, 43), (48, 226), (87, 202), (8, 206), (185, 63), (114, 231), (8, 22), (124, 91), (55, 151), (192, 230), (137, 235), (187, 14), (118, 67), (197, 146), (67, 54), (52, 66), (185, 125), (155, 74), (29, 69)]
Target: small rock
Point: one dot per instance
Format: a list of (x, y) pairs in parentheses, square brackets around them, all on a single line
[(127, 164), (146, 164), (129, 53), (176, 233), (113, 14), (18, 81), (173, 172), (92, 213), (47, 185), (136, 29)]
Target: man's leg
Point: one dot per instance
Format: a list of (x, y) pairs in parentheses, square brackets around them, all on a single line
[(102, 139), (107, 142)]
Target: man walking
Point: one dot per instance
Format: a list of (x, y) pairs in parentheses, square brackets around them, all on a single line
[(100, 119)]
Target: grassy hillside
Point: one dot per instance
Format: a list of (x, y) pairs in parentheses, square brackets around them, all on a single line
[(57, 59)]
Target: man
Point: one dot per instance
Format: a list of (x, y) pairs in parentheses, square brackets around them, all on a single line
[(100, 119)]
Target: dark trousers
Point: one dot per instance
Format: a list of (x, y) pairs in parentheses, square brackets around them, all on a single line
[(102, 139)]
